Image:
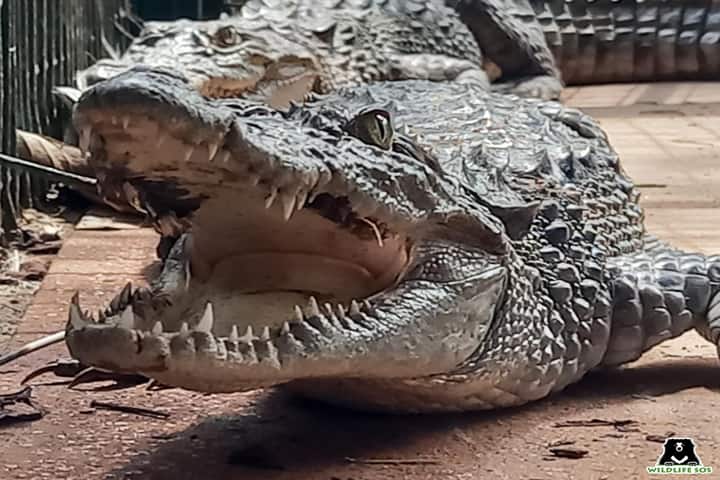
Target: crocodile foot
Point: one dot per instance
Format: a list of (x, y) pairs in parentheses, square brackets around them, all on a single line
[(545, 87), (712, 331), (82, 374)]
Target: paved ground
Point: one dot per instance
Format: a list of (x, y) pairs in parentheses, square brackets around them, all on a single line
[(668, 136)]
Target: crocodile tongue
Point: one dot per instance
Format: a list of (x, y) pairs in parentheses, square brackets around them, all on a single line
[(256, 267), (239, 244)]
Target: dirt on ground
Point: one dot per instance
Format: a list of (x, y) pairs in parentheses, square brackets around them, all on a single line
[(24, 263)]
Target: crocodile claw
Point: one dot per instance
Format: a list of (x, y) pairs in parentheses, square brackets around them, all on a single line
[(92, 374), (61, 368), (82, 374)]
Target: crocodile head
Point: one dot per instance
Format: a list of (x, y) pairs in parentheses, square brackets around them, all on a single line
[(320, 242), (228, 57)]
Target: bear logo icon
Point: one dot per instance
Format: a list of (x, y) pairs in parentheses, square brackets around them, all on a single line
[(679, 452)]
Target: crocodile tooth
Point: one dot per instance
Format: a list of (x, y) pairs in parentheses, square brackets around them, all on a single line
[(206, 322), (253, 179), (184, 328), (125, 122), (368, 307), (160, 140), (341, 311), (115, 305), (76, 317), (212, 150), (265, 335), (288, 205), (375, 229), (127, 319), (354, 308), (249, 335), (271, 198), (84, 140), (313, 306), (324, 177), (223, 156), (114, 119), (126, 294), (302, 196), (234, 336), (187, 275), (157, 329), (188, 153), (299, 316), (285, 329)]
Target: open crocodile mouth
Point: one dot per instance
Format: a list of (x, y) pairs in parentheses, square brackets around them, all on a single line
[(301, 252), (274, 82), (279, 84), (274, 262), (257, 280), (267, 264)]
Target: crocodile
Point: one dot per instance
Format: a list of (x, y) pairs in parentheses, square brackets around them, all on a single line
[(537, 46), (408, 246), (282, 60)]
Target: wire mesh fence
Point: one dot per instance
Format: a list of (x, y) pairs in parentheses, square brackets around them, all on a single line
[(43, 43)]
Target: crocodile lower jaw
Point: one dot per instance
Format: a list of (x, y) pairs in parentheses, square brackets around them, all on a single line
[(246, 288)]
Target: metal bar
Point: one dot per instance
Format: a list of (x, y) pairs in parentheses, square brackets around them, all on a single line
[(55, 174)]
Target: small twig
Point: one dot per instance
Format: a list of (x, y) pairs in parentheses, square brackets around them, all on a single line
[(569, 452), (14, 397), (145, 412), (560, 443), (595, 422), (54, 174), (392, 461), (21, 396), (658, 438)]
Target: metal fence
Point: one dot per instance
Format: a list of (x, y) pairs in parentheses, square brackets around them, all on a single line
[(43, 43)]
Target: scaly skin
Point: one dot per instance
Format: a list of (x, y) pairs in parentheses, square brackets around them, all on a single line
[(282, 59), (537, 45), (487, 253), (591, 42), (631, 41)]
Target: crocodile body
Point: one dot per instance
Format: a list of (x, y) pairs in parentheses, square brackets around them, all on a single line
[(630, 41), (579, 40), (537, 45), (285, 58), (404, 246)]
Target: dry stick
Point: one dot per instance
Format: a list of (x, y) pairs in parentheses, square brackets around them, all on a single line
[(52, 173), (392, 461), (33, 346), (145, 412)]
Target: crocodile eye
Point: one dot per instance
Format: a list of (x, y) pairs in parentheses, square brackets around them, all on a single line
[(226, 37), (373, 127)]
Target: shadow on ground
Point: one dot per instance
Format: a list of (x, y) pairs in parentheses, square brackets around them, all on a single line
[(286, 438)]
